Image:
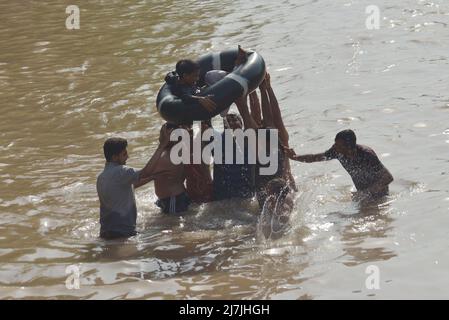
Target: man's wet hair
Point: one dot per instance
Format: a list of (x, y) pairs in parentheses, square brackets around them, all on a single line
[(348, 136), (186, 67), (114, 146)]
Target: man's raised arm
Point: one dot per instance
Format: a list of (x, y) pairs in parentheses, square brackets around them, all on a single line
[(307, 158), (148, 173)]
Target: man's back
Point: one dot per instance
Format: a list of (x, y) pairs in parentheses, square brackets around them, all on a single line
[(115, 190), (364, 168), (170, 183), (234, 180)]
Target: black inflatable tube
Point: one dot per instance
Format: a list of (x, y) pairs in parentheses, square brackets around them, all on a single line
[(245, 79)]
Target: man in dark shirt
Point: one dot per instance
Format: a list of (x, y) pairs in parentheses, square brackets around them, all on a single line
[(234, 180), (367, 172)]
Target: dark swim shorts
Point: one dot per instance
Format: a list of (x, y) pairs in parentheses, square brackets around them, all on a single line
[(174, 204)]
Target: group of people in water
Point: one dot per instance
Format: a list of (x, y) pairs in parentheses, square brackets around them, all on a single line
[(177, 186)]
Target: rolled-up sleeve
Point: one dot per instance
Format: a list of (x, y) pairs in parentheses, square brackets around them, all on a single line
[(129, 175)]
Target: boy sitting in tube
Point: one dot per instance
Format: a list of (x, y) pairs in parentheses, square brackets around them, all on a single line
[(184, 81)]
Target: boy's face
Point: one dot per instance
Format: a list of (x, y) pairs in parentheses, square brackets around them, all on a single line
[(191, 79), (121, 157)]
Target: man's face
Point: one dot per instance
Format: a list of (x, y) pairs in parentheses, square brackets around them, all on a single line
[(341, 147), (234, 122), (122, 157), (191, 79)]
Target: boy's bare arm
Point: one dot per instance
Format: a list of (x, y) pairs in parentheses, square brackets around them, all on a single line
[(266, 108), (254, 105), (276, 113), (150, 168), (248, 120), (144, 181), (307, 158)]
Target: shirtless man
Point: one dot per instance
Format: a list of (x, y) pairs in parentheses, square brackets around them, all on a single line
[(169, 186), (234, 180), (272, 119), (274, 192)]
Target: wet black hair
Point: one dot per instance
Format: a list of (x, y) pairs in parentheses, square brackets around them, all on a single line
[(348, 136), (113, 146), (186, 67)]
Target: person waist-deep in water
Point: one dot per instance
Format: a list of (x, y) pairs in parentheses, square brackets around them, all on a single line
[(169, 185), (233, 180), (275, 192), (197, 177), (116, 184), (230, 180), (242, 180), (366, 170), (173, 196), (270, 118)]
